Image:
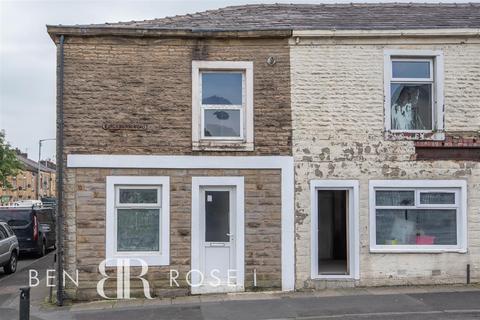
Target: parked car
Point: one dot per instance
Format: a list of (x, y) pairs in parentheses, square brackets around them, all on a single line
[(34, 227), (49, 201), (8, 248), (27, 203)]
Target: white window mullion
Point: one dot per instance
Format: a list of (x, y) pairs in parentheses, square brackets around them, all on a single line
[(244, 135)]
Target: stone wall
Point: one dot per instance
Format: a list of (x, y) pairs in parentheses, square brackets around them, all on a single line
[(149, 81), (85, 242), (338, 121)]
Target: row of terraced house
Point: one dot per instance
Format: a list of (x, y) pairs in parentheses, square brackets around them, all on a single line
[(300, 146)]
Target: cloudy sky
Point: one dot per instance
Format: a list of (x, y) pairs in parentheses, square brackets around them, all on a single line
[(27, 56)]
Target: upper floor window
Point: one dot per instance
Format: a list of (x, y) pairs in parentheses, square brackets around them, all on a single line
[(414, 92), (222, 98)]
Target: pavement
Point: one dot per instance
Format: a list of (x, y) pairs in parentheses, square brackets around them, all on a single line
[(10, 284), (397, 303), (415, 302)]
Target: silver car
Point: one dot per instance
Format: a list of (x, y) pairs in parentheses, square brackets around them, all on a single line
[(8, 249)]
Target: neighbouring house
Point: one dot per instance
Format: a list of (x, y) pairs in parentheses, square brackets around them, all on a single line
[(25, 183), (386, 141), (273, 147)]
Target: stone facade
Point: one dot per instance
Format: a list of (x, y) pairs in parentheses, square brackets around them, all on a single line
[(86, 219), (114, 80), (149, 81), (329, 92), (338, 133)]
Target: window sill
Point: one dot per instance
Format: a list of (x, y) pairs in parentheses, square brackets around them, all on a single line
[(339, 277), (151, 259), (416, 251), (414, 135), (222, 145)]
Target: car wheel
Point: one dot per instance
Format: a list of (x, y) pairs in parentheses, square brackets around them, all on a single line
[(11, 267)]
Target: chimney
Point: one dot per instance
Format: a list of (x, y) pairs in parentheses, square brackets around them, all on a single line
[(20, 153)]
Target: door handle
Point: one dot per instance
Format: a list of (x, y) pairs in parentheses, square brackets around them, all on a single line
[(229, 234)]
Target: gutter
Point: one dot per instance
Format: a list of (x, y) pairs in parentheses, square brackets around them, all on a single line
[(60, 166), (451, 32), (56, 31)]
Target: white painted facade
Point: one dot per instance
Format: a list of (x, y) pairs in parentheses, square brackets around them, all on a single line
[(338, 83)]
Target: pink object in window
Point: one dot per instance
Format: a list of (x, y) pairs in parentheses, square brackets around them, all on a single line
[(425, 240)]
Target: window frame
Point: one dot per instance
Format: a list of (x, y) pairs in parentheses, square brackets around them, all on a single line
[(204, 107), (4, 232), (199, 140), (155, 206), (421, 186), (436, 79), (113, 186)]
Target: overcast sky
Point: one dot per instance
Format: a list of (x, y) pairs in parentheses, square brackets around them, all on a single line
[(27, 56)]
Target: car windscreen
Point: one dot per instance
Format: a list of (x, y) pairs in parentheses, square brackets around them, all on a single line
[(16, 217)]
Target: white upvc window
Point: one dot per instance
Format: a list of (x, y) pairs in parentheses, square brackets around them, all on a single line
[(137, 220), (418, 216), (222, 105), (414, 92)]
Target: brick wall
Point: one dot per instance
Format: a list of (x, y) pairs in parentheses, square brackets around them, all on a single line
[(149, 81), (337, 107), (85, 244)]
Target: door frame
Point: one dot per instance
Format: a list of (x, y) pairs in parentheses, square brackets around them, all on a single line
[(352, 224), (239, 232)]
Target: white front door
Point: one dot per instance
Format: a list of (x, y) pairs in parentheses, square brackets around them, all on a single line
[(217, 238), (218, 235)]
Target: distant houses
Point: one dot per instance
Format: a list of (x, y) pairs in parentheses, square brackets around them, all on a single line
[(26, 181)]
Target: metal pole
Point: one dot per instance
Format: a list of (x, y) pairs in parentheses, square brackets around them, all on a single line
[(60, 161), (38, 171), (24, 308), (39, 159), (468, 273)]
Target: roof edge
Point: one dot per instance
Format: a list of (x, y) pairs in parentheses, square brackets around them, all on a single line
[(55, 31), (438, 32)]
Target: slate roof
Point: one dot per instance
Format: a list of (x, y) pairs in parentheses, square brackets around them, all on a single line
[(357, 16), (31, 165)]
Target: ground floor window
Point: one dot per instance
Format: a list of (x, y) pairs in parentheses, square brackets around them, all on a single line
[(137, 216), (417, 215), (138, 219)]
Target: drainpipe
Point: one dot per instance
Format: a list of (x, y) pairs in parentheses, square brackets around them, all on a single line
[(60, 162)]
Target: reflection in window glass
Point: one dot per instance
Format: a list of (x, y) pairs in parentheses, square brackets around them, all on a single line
[(411, 106), (395, 198), (217, 212), (437, 198), (138, 229), (222, 88), (416, 227), (138, 196), (411, 69), (222, 123)]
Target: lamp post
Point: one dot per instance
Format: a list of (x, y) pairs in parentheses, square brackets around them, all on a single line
[(39, 157)]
